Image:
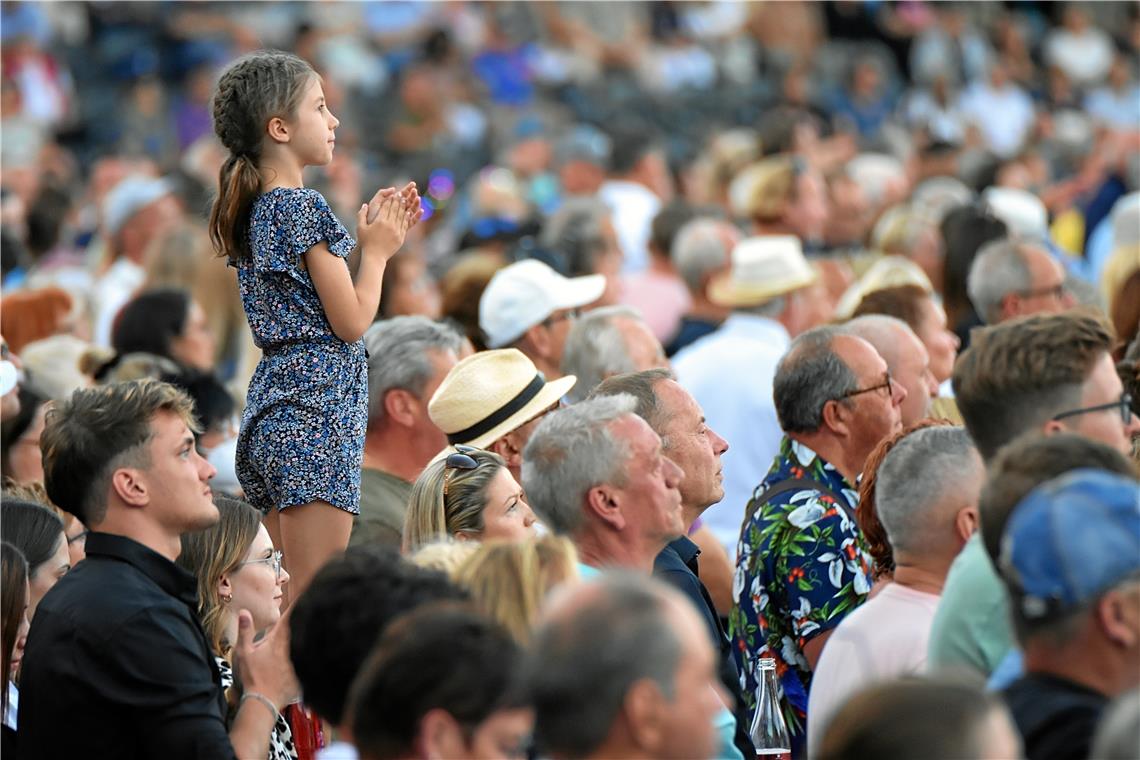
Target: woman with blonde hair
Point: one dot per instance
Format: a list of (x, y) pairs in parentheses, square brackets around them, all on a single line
[(237, 568), (470, 496), (509, 581)]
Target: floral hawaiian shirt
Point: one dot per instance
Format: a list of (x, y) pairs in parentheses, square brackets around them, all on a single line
[(801, 567)]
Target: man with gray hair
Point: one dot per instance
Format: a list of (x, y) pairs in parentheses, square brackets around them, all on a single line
[(801, 562), (605, 342), (700, 251), (770, 288), (926, 497), (1014, 278), (907, 360), (653, 691), (595, 472), (408, 357)]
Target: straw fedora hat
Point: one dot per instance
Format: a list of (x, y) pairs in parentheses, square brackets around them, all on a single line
[(762, 269), (489, 394)]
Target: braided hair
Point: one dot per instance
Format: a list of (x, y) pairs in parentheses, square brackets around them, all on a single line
[(253, 90)]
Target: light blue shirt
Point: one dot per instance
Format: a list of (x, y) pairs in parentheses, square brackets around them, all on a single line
[(730, 374)]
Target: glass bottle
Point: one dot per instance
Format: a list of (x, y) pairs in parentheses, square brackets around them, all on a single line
[(769, 731)]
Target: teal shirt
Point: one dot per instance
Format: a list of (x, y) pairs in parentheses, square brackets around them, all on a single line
[(972, 626)]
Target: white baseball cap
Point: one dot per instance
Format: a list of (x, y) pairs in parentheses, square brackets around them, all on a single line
[(525, 293), (130, 196)]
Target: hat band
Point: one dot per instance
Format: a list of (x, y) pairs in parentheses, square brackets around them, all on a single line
[(502, 414)]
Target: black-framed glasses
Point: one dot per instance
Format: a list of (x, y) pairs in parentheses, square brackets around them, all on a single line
[(887, 380), (273, 560), (460, 460), (1124, 405), (1057, 291), (80, 536), (570, 314)]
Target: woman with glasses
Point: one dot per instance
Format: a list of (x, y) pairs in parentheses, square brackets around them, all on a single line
[(469, 496), (237, 569)]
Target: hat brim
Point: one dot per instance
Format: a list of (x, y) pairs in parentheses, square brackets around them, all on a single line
[(545, 398), (724, 291)]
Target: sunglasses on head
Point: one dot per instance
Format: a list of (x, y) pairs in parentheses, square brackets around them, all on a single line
[(460, 460)]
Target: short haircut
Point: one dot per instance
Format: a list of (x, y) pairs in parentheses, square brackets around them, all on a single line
[(1000, 268), (668, 222), (911, 717), (901, 301), (571, 451), (699, 250), (808, 376), (643, 387), (348, 605), (867, 513), (399, 356), (574, 235), (438, 658), (581, 665), (97, 431), (596, 348), (1017, 375), (914, 480), (33, 529), (631, 140), (1031, 460)]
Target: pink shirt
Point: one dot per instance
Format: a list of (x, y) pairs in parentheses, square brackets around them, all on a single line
[(885, 638), (661, 299)]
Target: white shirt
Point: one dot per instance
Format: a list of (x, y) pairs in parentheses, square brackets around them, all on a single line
[(1004, 116), (111, 293), (1085, 58), (338, 751), (633, 207), (730, 374), (881, 640)]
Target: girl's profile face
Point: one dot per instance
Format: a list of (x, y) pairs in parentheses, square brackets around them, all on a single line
[(312, 129), (195, 346)]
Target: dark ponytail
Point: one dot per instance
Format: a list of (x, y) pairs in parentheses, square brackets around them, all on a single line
[(253, 90)]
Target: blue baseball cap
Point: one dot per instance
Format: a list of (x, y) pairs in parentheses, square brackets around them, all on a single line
[(1070, 540)]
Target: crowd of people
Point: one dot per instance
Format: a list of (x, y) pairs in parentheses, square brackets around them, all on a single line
[(570, 379)]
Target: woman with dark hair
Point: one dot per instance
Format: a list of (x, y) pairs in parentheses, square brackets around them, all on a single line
[(964, 230), (237, 569), (166, 322), (20, 458), (14, 625), (38, 533)]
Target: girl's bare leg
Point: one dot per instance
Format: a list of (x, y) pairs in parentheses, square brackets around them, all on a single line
[(311, 535)]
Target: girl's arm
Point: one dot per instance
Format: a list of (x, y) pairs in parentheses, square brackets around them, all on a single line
[(350, 299)]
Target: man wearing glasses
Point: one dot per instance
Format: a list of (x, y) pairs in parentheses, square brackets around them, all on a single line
[(801, 563), (1050, 373), (1012, 278)]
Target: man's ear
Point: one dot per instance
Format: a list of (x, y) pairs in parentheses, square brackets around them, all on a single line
[(1118, 614), (603, 501), (1010, 306), (537, 338), (644, 707), (440, 736), (837, 417), (966, 523), (400, 406), (278, 130), (130, 486)]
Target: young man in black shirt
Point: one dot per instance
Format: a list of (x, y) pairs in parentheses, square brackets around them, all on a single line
[(116, 650), (1070, 558)]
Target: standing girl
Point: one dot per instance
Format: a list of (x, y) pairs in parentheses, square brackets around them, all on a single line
[(309, 291)]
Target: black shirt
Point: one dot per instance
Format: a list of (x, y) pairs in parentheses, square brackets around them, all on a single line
[(1055, 717), (117, 664), (676, 564)]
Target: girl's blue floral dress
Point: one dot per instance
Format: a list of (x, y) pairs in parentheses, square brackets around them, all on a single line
[(302, 431)]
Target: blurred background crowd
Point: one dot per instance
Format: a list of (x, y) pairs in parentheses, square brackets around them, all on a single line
[(639, 141)]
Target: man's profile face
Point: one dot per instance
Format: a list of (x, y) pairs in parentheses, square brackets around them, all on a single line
[(693, 445), (177, 479), (1103, 386), (650, 500)]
